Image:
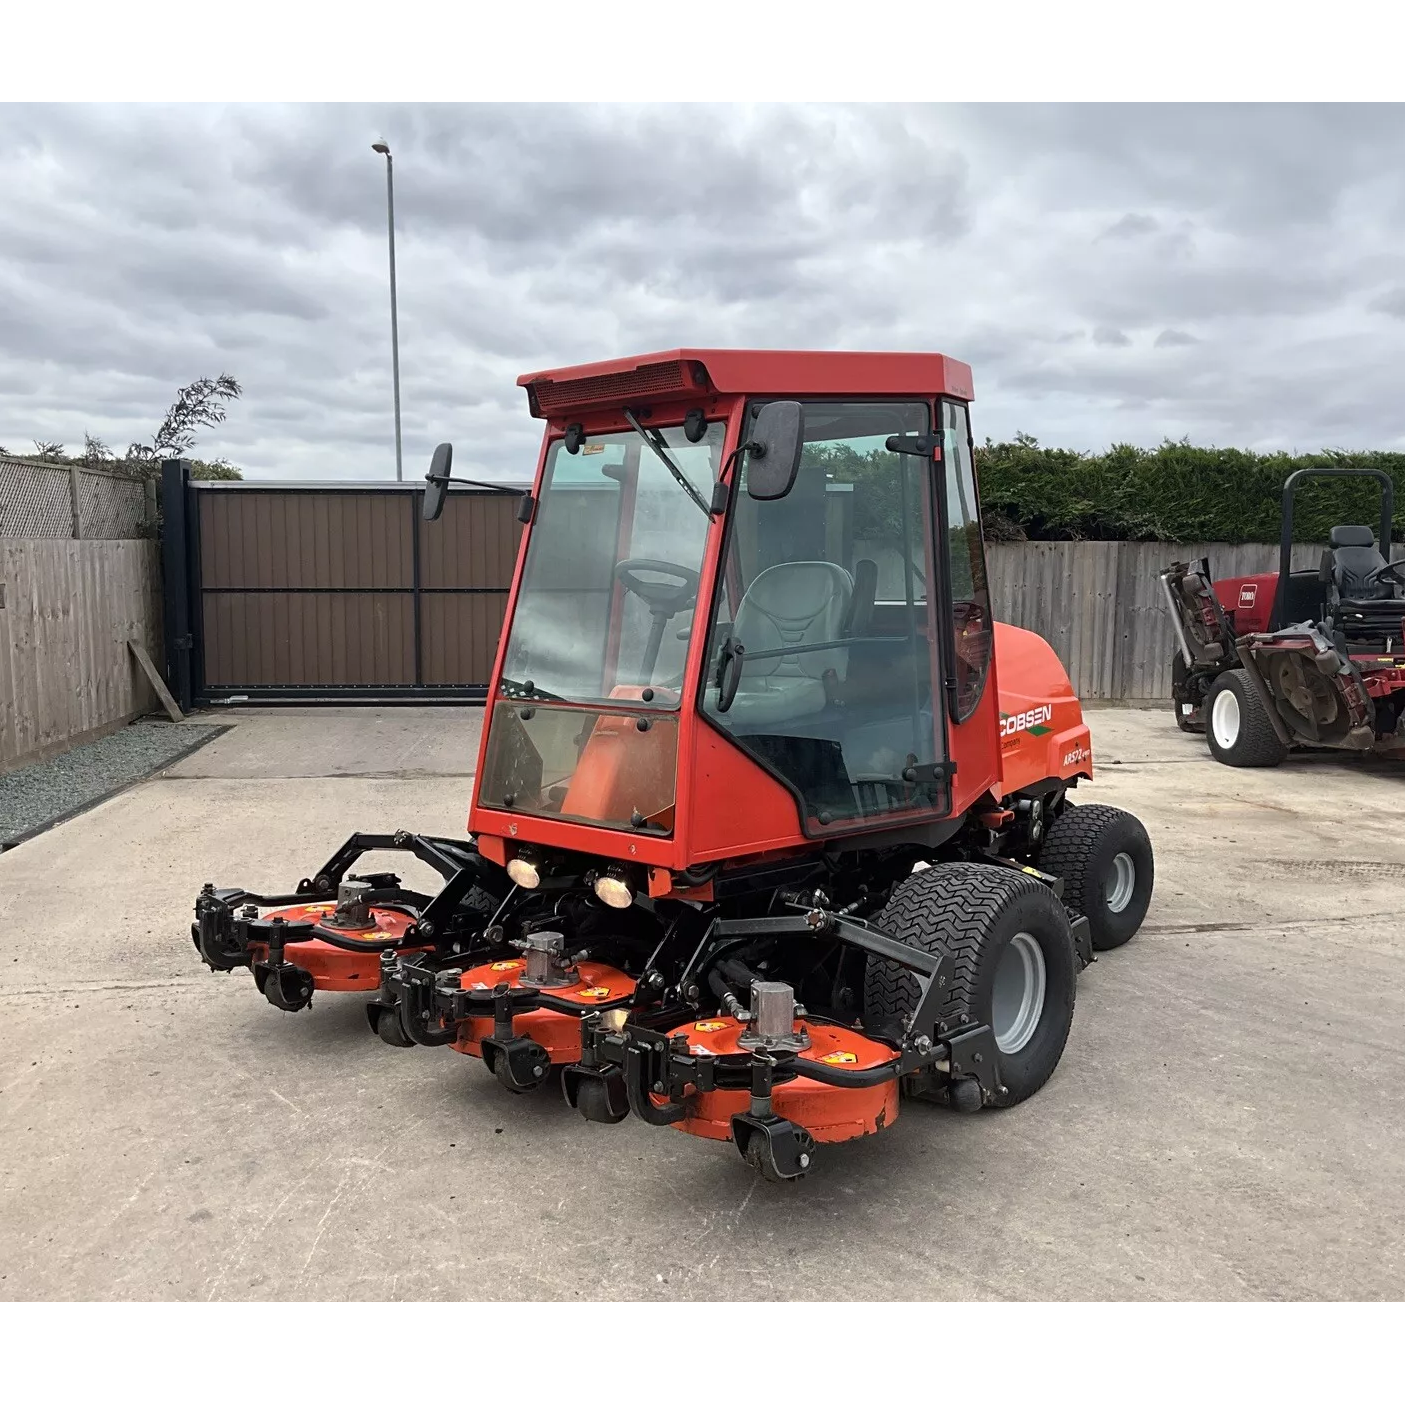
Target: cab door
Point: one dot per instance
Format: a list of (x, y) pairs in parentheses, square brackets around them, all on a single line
[(825, 648)]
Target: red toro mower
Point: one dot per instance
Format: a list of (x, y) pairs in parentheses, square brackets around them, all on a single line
[(1271, 662), (771, 821)]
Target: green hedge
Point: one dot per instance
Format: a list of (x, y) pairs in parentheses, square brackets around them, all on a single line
[(1175, 493)]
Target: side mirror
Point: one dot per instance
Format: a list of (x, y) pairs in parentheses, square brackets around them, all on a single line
[(774, 450), (436, 482)]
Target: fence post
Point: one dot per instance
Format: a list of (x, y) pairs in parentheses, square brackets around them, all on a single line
[(175, 570), (76, 501)]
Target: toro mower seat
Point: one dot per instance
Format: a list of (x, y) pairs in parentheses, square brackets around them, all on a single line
[(793, 603), (1353, 556)]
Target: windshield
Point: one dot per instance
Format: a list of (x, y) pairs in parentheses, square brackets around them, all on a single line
[(611, 575)]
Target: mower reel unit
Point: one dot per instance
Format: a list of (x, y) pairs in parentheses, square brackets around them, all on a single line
[(335, 931), (771, 825), (1297, 659)]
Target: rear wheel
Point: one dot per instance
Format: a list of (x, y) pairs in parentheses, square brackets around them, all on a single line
[(1104, 857), (1015, 965), (1238, 727)]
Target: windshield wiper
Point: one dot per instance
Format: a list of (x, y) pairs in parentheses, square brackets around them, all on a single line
[(655, 441)]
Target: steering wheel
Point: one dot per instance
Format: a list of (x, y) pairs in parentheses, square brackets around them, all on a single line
[(664, 597), (1390, 570)]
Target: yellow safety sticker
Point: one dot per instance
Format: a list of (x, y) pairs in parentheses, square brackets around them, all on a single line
[(505, 965), (595, 992), (708, 1026), (840, 1056)]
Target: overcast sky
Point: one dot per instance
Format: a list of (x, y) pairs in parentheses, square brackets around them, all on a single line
[(1232, 274)]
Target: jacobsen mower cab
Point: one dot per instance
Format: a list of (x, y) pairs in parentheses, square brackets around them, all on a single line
[(1314, 658), (771, 819)]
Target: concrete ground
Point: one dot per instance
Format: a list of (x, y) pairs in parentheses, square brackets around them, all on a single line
[(1228, 1120)]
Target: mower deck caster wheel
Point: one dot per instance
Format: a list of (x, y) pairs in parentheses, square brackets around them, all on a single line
[(521, 1065), (594, 1104), (776, 1149), (598, 1094), (387, 1024), (286, 987)]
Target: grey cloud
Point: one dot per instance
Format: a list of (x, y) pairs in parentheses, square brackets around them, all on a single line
[(1391, 303), (145, 245), (1132, 225)]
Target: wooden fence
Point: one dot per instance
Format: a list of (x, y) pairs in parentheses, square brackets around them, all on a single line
[(1101, 606), (67, 610)]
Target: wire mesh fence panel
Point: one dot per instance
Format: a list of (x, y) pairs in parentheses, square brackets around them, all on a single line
[(111, 508), (35, 500)]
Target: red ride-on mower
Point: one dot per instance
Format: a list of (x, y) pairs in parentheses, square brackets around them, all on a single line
[(1311, 659), (771, 821)]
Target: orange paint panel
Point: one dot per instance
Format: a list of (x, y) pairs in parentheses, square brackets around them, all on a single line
[(1042, 732), (735, 806), (331, 967), (828, 1113), (493, 848), (720, 1034), (557, 1032)]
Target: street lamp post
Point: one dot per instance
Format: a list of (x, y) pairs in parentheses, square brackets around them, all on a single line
[(382, 149)]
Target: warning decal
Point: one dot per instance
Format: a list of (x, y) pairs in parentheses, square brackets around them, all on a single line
[(840, 1056), (707, 1026), (505, 965), (595, 992)]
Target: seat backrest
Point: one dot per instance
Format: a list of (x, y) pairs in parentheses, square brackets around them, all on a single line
[(858, 618), (1354, 557), (795, 602)]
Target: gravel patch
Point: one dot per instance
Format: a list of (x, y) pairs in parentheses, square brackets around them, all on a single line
[(35, 797)]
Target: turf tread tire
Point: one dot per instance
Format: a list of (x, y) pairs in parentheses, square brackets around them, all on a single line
[(962, 906), (1079, 848), (1258, 743)]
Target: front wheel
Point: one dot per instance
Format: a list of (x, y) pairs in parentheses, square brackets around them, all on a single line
[(1104, 857), (1238, 727), (1016, 969)]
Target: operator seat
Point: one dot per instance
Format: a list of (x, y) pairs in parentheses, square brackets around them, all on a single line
[(1353, 556), (793, 603)]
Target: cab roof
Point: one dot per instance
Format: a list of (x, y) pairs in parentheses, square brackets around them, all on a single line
[(687, 372)]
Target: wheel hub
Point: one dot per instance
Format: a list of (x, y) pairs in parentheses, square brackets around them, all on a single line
[(1121, 883), (1224, 718), (1018, 998)]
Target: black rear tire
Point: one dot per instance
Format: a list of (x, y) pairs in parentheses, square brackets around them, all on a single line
[(976, 911), (1104, 857), (1239, 729)]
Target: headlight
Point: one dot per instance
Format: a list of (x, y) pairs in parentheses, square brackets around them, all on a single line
[(524, 871), (613, 888)]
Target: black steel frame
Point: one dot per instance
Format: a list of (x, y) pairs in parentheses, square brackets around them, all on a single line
[(185, 592), (1285, 540)]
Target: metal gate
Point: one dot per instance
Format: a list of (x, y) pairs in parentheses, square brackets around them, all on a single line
[(306, 591)]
